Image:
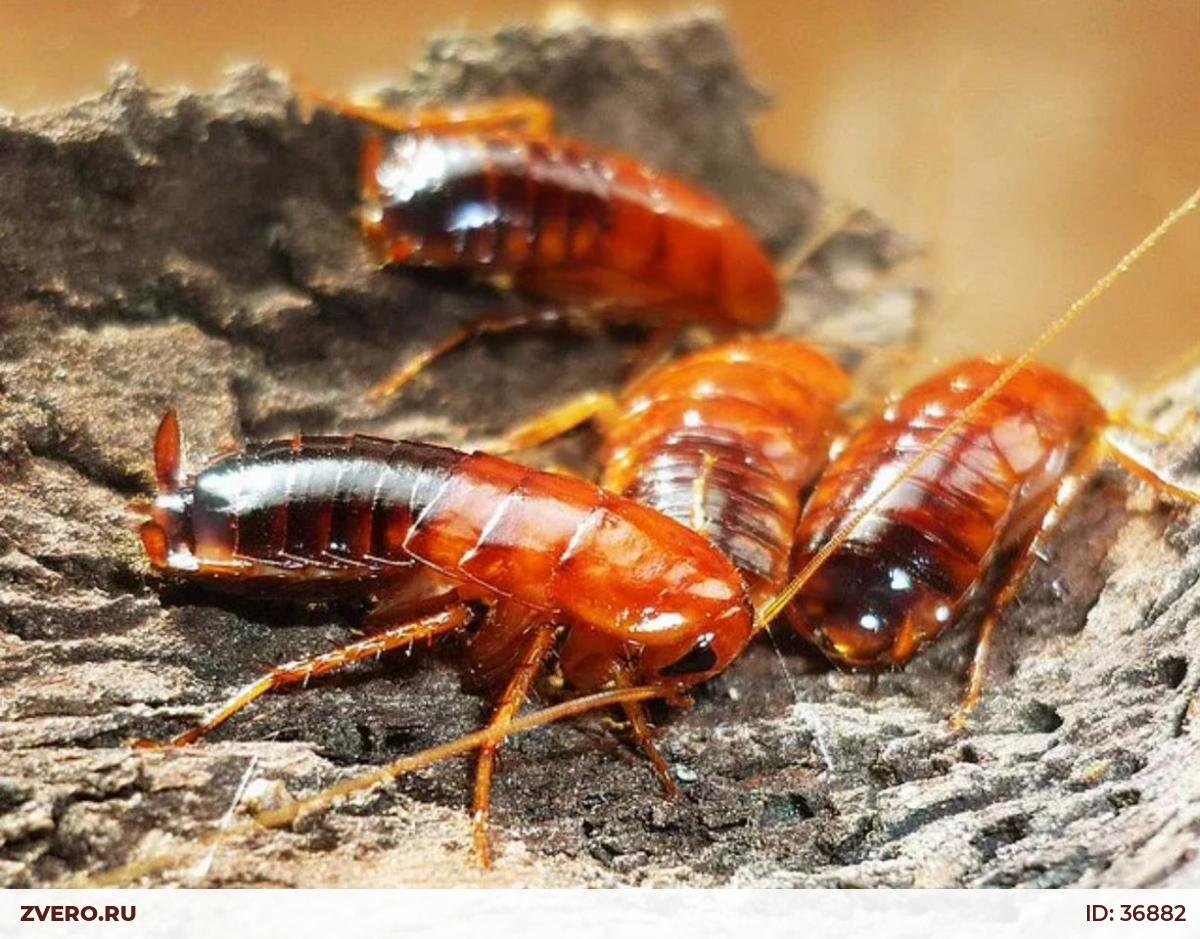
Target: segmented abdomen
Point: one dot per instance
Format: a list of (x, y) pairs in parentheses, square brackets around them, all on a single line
[(350, 507), (907, 570), (316, 506), (567, 221), (725, 441)]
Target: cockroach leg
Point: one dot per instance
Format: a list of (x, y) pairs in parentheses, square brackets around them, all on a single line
[(1135, 466), (561, 469), (302, 670), (529, 116), (1175, 369), (978, 668), (507, 708), (1123, 420), (639, 726), (291, 811), (534, 547), (487, 325), (1067, 490), (833, 219), (561, 419)]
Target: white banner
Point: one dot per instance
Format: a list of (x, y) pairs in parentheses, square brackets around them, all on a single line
[(599, 914)]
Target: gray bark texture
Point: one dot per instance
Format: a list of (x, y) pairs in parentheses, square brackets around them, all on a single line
[(199, 251)]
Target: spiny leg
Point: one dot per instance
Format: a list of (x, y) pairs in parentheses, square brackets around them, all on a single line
[(639, 726), (486, 325), (556, 421), (301, 671), (1064, 495), (530, 116), (529, 665)]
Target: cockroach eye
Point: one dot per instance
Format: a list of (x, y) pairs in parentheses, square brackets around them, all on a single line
[(701, 658)]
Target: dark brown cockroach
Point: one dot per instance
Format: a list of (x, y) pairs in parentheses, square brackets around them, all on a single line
[(491, 190), (993, 490), (429, 530), (725, 440)]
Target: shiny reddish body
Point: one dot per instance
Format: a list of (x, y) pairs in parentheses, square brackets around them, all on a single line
[(567, 221), (726, 441), (634, 589), (908, 571)]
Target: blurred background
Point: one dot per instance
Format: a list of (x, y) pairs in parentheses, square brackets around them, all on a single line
[(1027, 144)]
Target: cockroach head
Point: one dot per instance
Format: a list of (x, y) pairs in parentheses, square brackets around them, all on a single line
[(701, 656), (167, 532)]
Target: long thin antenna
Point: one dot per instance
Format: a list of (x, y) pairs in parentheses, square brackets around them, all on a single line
[(277, 818), (780, 602)]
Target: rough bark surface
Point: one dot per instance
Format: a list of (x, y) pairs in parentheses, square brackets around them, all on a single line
[(198, 251)]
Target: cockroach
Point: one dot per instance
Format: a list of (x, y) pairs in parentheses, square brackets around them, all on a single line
[(725, 440), (428, 531), (974, 465), (989, 495), (490, 189)]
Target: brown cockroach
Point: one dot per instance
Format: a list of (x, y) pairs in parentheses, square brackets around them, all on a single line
[(490, 189), (1014, 457), (991, 493), (725, 440), (429, 530)]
